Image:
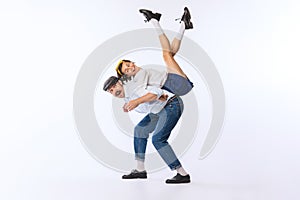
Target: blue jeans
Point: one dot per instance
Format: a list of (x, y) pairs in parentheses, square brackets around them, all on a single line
[(161, 124)]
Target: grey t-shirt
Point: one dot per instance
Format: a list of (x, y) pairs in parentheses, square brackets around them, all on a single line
[(144, 78)]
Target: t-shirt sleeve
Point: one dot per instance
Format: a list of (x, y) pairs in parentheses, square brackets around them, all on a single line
[(141, 80)]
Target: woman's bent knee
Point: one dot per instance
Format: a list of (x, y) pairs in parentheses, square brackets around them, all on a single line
[(167, 56)]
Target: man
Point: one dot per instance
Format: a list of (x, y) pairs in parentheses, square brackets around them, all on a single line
[(163, 112)]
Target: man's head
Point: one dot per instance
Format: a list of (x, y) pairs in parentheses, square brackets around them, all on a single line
[(114, 86), (126, 67)]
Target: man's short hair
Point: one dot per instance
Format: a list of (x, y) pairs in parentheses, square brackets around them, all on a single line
[(111, 81)]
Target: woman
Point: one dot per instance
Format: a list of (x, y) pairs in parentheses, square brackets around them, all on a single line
[(174, 79)]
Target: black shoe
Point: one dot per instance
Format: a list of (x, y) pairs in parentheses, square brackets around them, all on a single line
[(135, 174), (179, 179), (149, 15), (186, 18)]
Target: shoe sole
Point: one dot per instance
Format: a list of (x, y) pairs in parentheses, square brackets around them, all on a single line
[(178, 182), (135, 178)]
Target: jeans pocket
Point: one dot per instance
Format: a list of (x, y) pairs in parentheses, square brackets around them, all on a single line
[(174, 108)]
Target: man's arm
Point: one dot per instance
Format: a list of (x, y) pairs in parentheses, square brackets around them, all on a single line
[(153, 94), (136, 102)]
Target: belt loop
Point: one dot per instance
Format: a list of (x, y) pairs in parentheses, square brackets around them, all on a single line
[(171, 99)]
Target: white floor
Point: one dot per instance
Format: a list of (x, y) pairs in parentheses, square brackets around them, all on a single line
[(245, 171)]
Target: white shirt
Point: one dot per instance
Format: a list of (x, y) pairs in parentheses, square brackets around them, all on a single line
[(148, 107), (147, 81)]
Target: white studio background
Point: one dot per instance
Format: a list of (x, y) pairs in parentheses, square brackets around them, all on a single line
[(255, 47)]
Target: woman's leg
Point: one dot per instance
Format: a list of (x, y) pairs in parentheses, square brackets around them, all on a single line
[(177, 82), (172, 65), (168, 52), (163, 39), (177, 39)]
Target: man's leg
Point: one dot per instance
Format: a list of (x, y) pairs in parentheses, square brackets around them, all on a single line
[(141, 134), (168, 119)]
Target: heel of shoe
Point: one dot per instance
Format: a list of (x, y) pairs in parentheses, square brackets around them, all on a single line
[(157, 16), (150, 15)]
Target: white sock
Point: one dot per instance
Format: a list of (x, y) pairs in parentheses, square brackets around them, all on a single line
[(181, 171), (179, 35), (140, 165), (157, 26)]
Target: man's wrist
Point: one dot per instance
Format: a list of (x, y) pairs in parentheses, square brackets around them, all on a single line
[(139, 101)]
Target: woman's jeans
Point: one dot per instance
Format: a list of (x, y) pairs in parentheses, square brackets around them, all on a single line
[(161, 124)]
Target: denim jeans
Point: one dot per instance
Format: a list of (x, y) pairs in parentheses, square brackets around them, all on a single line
[(177, 84), (161, 124)]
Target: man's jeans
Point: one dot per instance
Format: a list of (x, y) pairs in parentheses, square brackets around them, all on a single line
[(161, 124)]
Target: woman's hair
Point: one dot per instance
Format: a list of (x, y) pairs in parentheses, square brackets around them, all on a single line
[(119, 67)]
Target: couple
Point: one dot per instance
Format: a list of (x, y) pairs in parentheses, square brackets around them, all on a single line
[(155, 93)]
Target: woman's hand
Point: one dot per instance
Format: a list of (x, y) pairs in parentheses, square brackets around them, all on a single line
[(163, 97)]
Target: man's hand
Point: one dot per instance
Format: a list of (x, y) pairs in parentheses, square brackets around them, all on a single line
[(131, 105), (143, 99), (124, 109)]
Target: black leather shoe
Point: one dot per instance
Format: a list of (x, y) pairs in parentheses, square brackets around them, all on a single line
[(179, 179), (135, 174), (186, 18), (149, 15)]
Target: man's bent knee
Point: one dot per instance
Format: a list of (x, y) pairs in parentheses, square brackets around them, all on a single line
[(139, 132), (158, 143)]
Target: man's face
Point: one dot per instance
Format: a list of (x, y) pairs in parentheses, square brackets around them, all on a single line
[(117, 90), (129, 68)]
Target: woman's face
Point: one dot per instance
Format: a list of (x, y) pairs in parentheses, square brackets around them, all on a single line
[(129, 68)]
